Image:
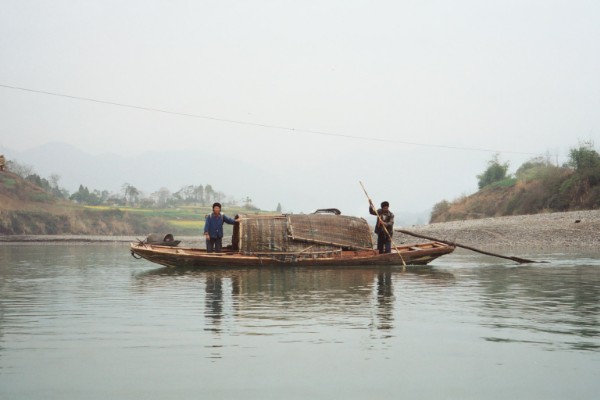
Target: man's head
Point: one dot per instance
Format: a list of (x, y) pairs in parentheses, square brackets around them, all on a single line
[(217, 208), (385, 205)]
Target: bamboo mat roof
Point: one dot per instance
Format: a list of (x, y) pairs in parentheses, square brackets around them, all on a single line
[(302, 233)]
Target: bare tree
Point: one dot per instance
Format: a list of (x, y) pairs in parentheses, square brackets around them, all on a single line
[(54, 178), (199, 194), (162, 197), (209, 194), (23, 170), (130, 193)]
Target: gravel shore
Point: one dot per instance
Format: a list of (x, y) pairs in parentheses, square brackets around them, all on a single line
[(573, 229)]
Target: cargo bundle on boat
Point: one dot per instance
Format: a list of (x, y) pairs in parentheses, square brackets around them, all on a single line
[(319, 239)]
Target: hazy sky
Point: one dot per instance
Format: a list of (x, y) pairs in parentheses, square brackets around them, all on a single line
[(517, 77)]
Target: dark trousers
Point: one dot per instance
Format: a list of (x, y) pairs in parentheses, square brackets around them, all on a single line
[(384, 244), (214, 244)]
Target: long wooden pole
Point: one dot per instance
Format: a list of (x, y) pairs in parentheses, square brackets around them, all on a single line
[(513, 258), (381, 222)]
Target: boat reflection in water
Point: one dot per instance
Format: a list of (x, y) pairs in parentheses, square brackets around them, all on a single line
[(261, 300)]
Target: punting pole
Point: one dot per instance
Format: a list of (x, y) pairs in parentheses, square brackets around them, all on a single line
[(381, 222), (517, 259)]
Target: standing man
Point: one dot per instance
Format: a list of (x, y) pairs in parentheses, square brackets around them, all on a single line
[(213, 228), (384, 241)]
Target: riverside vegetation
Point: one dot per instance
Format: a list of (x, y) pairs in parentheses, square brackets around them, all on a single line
[(31, 205), (538, 186)]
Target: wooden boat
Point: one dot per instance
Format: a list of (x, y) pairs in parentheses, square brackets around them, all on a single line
[(294, 239), (414, 254)]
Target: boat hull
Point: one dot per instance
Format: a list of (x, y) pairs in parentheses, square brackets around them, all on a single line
[(415, 254)]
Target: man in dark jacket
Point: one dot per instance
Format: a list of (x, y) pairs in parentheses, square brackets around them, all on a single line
[(384, 241), (213, 228)]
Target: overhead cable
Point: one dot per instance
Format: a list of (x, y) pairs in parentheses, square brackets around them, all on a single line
[(261, 125)]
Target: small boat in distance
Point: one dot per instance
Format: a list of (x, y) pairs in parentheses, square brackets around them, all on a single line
[(316, 240)]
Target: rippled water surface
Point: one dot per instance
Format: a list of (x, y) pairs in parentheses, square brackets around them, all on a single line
[(87, 321)]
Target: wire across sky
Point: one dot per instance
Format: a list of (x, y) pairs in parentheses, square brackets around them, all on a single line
[(261, 125)]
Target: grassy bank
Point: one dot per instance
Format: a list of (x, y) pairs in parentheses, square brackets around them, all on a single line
[(184, 220)]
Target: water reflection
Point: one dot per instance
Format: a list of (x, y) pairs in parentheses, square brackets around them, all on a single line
[(214, 301), (280, 298), (96, 313), (385, 300), (559, 306)]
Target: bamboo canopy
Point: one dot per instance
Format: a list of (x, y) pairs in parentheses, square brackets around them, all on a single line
[(301, 233)]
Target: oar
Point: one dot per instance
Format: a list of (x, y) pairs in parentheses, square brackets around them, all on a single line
[(381, 222), (513, 258)]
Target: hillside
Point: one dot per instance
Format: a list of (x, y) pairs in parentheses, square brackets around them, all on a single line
[(537, 187), (26, 209), (19, 194), (150, 171)]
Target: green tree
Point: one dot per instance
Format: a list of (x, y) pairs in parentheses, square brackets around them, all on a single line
[(39, 181), (84, 196), (189, 194), (495, 172), (533, 169), (81, 195), (98, 197), (585, 160), (582, 189)]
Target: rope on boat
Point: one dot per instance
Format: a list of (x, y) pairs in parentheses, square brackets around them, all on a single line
[(134, 256)]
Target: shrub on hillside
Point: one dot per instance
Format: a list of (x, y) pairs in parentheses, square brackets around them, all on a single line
[(536, 168), (439, 211), (494, 172)]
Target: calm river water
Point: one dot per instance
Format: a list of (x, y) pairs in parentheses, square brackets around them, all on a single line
[(87, 321)]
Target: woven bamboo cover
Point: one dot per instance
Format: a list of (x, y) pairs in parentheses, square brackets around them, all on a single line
[(337, 230), (300, 233), (264, 234)]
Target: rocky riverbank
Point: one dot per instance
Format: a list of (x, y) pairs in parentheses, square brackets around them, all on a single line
[(573, 229)]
